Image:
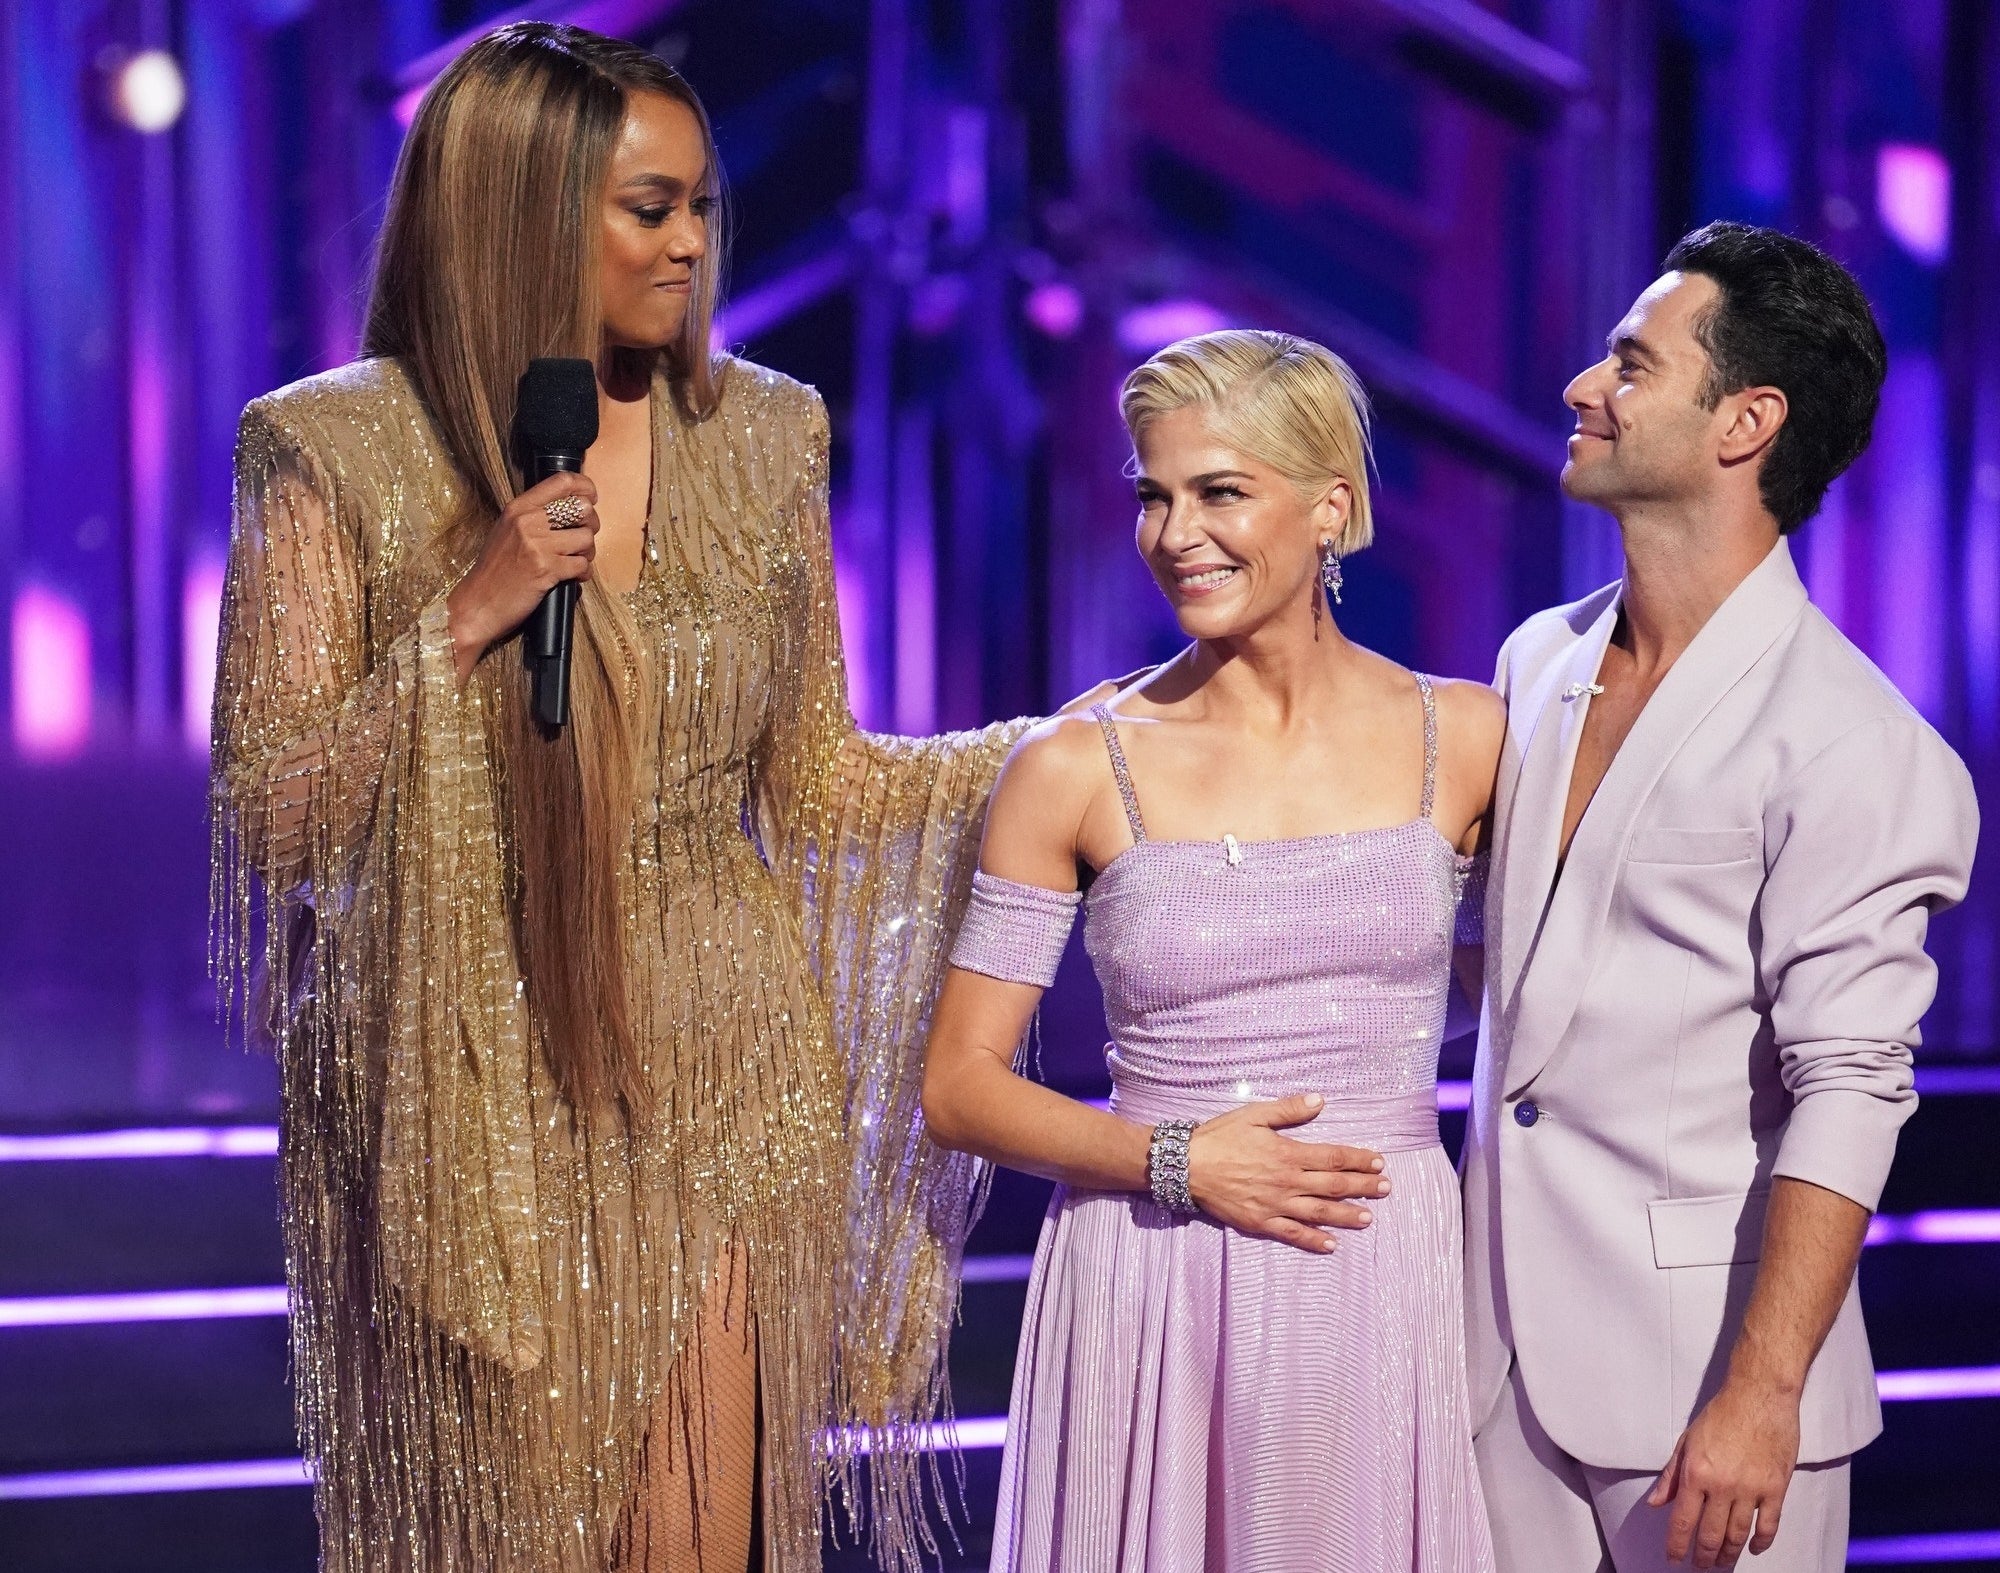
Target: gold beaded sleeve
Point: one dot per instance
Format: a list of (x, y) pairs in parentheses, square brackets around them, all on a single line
[(351, 779), (876, 838)]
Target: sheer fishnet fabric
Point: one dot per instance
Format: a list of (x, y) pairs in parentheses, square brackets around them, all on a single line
[(694, 1510)]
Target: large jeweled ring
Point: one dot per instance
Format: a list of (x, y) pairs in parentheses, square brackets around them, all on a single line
[(566, 513)]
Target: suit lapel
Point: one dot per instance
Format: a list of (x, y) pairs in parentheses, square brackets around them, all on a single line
[(1559, 960), (1531, 839)]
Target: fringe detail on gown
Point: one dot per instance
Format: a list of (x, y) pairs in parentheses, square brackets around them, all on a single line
[(489, 1286)]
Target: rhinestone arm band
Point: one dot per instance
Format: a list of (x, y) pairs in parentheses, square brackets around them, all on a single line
[(1470, 925), (1167, 1166), (1014, 932)]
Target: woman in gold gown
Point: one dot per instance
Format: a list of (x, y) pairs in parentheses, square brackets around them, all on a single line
[(603, 1185)]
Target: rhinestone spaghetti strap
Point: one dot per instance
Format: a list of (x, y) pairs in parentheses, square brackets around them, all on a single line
[(1430, 744), (1121, 770)]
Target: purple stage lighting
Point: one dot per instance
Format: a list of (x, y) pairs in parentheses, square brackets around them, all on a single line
[(166, 1305), (234, 1475), (1939, 1384), (51, 674), (1978, 1545), (147, 91), (1144, 329), (1054, 309), (1968, 1226), (186, 1141), (201, 618), (1913, 199)]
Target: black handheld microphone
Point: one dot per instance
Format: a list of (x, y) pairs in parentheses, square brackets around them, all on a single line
[(555, 421)]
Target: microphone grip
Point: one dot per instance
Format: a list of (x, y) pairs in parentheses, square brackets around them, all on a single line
[(546, 642)]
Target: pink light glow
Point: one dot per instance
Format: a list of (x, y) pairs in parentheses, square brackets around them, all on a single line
[(406, 104), (850, 591), (1913, 198), (51, 675), (201, 618), (1055, 309), (1144, 329)]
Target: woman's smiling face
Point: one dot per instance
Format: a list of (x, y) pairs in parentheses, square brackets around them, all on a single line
[(1229, 539)]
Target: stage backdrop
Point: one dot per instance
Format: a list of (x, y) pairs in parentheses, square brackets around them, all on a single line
[(964, 223)]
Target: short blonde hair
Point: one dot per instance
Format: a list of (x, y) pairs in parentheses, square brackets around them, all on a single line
[(1284, 400)]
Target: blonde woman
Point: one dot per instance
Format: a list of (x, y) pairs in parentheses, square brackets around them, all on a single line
[(1242, 1349), (606, 1209)]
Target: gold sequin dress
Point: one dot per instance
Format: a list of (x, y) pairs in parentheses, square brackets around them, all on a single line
[(490, 1286)]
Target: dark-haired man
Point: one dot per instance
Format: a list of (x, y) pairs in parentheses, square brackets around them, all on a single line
[(1719, 837)]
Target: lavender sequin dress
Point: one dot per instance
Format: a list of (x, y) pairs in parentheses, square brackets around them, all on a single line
[(1187, 1397)]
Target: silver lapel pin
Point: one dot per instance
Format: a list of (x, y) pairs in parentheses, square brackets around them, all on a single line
[(1578, 690)]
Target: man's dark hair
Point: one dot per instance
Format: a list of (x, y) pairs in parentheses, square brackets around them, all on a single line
[(1789, 317)]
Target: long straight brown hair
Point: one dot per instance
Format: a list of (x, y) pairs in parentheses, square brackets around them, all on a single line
[(489, 256)]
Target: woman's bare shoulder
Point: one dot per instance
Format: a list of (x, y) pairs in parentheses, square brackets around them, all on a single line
[(1475, 707), (1063, 755), (1045, 790), (1472, 725)]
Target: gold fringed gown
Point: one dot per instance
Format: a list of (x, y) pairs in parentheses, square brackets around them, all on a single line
[(489, 1286)]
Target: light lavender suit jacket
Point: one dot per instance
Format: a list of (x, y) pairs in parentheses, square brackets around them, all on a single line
[(1724, 986)]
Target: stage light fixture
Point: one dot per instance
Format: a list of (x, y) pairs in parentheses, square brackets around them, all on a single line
[(148, 91)]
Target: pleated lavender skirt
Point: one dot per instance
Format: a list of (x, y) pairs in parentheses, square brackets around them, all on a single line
[(1188, 1399)]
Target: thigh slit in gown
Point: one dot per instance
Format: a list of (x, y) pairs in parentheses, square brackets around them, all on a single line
[(694, 1510)]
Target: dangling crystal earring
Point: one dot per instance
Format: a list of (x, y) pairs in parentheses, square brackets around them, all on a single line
[(1329, 570)]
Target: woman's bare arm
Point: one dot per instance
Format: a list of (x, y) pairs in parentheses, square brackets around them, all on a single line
[(1241, 1171), (1472, 725)]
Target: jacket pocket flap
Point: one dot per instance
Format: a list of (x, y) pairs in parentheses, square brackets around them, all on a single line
[(1695, 846), (1708, 1231)]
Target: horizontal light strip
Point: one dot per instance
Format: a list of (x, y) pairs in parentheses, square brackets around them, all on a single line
[(236, 1475), (944, 1436), (261, 1141), (981, 1432), (1965, 1381), (1913, 1386), (1945, 1227), (978, 1432), (165, 1305), (1957, 1081), (1958, 1226), (1978, 1545), (997, 1269), (183, 1141)]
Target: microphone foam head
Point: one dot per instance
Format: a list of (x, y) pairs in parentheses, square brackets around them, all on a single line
[(556, 408)]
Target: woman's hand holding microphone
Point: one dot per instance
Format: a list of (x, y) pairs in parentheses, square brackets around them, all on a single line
[(548, 534)]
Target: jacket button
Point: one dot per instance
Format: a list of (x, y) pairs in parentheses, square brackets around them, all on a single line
[(1525, 1112)]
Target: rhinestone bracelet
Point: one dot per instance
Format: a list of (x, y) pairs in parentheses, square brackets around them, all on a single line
[(1167, 1166)]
